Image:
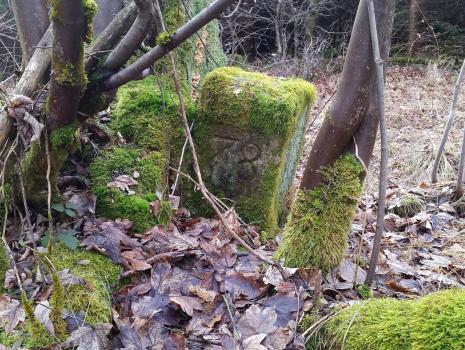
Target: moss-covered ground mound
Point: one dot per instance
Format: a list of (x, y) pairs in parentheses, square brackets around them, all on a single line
[(320, 220), (92, 299), (146, 115), (433, 322), (272, 113)]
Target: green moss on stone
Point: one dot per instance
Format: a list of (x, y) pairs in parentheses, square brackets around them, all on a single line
[(254, 101), (275, 112), (433, 322), (320, 219)]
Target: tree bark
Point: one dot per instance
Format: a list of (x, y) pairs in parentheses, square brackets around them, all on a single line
[(30, 80), (412, 25), (106, 11), (68, 75), (32, 21), (133, 39), (112, 34), (352, 97), (365, 135)]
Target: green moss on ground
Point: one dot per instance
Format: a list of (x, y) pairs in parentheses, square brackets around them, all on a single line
[(93, 299), (433, 322), (320, 219), (408, 206), (100, 273)]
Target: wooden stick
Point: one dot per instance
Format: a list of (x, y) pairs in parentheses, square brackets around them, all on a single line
[(384, 171)]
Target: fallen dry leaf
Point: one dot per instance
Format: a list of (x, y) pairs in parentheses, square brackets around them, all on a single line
[(87, 338), (11, 313)]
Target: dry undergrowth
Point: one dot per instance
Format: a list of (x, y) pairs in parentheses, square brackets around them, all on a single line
[(417, 106)]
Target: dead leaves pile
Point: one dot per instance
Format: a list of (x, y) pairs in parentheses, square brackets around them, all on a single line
[(186, 286), (192, 287), (419, 255)]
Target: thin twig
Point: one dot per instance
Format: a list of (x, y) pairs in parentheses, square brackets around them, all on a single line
[(384, 170), (450, 122), (49, 195), (231, 316), (173, 188), (5, 215)]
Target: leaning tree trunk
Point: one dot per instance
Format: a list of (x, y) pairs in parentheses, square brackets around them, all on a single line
[(322, 214), (31, 25), (352, 97)]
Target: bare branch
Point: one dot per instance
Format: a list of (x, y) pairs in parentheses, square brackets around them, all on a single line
[(132, 40), (30, 79), (182, 34), (106, 11), (112, 34), (384, 171)]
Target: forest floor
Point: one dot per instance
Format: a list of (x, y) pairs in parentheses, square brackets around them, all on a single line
[(191, 285), (424, 252)]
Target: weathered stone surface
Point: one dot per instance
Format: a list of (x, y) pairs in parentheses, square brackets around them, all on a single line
[(250, 137)]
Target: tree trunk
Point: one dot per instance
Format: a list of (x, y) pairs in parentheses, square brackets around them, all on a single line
[(412, 25), (352, 97), (68, 75), (32, 21), (68, 80), (365, 136), (106, 11)]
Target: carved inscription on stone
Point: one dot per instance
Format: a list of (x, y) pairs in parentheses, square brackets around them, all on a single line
[(239, 161)]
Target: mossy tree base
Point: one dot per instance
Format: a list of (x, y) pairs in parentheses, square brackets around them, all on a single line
[(433, 322), (249, 138), (316, 231)]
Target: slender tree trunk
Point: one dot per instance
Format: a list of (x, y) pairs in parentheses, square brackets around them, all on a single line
[(412, 25), (450, 122), (32, 21), (68, 75), (352, 97)]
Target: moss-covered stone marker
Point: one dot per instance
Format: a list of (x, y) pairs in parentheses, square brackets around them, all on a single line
[(433, 322), (249, 137)]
